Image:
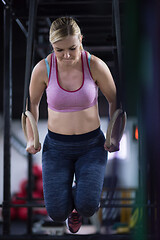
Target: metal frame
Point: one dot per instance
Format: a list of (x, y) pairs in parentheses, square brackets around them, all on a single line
[(29, 59), (7, 114)]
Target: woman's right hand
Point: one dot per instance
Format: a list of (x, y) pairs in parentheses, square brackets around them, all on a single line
[(30, 147)]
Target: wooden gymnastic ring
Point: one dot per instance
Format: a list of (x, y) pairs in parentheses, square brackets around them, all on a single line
[(33, 126), (118, 113)]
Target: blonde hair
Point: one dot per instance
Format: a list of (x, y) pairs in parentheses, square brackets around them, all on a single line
[(62, 27)]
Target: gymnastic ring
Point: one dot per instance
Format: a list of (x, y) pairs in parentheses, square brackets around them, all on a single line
[(33, 126), (119, 114)]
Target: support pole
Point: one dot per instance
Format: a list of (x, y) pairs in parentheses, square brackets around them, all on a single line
[(7, 116), (30, 45), (29, 58)]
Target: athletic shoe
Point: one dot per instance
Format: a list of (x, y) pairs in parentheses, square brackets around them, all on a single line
[(74, 221)]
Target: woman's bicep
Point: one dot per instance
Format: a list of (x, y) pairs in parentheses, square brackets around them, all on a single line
[(37, 84), (107, 87), (104, 80)]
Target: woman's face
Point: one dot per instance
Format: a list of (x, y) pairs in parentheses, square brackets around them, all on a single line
[(68, 50)]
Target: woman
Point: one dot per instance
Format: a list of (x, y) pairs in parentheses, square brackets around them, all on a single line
[(74, 144)]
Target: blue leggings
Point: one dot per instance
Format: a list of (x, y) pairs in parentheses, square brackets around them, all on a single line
[(66, 155)]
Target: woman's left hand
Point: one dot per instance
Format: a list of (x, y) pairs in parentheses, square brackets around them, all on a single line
[(113, 147)]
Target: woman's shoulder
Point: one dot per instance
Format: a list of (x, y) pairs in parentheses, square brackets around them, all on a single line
[(97, 65), (97, 62), (39, 72), (40, 68), (48, 58), (41, 65)]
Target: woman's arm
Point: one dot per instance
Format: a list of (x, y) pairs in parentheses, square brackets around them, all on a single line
[(102, 76), (37, 86)]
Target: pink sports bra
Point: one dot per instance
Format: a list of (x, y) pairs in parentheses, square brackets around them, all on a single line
[(62, 100)]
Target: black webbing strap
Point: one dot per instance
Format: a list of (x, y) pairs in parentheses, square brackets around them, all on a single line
[(33, 4), (117, 29)]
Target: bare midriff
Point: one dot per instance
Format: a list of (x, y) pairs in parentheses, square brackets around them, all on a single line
[(71, 123)]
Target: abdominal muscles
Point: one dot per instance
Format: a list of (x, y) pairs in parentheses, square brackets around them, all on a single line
[(70, 123)]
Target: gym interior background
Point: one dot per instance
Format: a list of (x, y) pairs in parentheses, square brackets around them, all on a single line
[(130, 199)]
